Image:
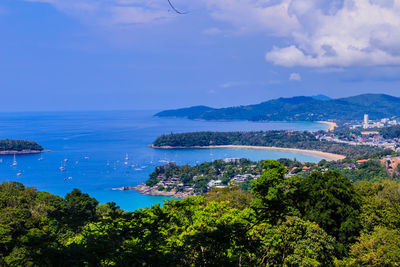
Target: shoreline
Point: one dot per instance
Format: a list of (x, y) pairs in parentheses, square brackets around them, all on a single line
[(22, 152), (326, 155), (332, 125), (148, 190)]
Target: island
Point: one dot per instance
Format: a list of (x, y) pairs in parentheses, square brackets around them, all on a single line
[(9, 147)]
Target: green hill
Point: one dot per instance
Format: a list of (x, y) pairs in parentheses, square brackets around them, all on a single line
[(300, 108)]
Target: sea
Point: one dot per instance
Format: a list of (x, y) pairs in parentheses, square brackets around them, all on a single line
[(99, 152)]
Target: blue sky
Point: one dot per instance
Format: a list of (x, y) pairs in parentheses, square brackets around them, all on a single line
[(139, 54)]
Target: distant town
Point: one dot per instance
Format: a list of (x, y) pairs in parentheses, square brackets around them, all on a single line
[(365, 133)]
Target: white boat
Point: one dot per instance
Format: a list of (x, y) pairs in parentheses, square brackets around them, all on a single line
[(62, 167), (126, 157), (14, 161), (41, 157)]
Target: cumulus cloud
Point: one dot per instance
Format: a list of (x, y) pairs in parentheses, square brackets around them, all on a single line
[(355, 33), (295, 77), (317, 33), (336, 33)]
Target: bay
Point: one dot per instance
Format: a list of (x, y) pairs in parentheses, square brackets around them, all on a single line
[(92, 147)]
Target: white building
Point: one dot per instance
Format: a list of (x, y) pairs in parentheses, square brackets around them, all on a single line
[(366, 120)]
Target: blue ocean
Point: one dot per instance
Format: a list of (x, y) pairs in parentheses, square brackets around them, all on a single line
[(104, 150)]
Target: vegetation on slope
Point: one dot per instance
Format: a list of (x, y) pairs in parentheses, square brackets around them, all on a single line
[(321, 219), (286, 139), (299, 108), (19, 145)]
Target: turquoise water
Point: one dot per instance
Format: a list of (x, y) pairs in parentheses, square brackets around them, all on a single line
[(95, 145)]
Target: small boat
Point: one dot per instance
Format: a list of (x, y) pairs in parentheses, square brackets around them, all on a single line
[(86, 157), (62, 168), (41, 157), (70, 178), (108, 164), (14, 161), (126, 157), (138, 169), (18, 174)]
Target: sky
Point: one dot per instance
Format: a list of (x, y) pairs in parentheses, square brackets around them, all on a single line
[(141, 54)]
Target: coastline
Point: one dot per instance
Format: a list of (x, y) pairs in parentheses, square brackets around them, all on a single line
[(326, 155), (153, 191), (22, 152), (332, 125)]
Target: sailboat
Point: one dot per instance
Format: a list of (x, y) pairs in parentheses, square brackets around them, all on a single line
[(14, 161), (62, 168), (41, 157), (126, 159)]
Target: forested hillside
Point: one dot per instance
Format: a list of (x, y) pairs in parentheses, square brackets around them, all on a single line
[(19, 145), (285, 139), (316, 220), (299, 108)]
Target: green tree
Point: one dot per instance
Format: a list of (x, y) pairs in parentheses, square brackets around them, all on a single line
[(331, 201), (380, 247)]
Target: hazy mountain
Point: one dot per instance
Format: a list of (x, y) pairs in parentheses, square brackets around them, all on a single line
[(321, 97), (299, 108)]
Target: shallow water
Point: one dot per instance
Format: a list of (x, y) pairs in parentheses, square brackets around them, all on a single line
[(95, 145)]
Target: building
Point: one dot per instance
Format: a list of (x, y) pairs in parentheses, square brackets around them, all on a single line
[(366, 120), (233, 160)]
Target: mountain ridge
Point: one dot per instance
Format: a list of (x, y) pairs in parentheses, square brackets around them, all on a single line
[(298, 108)]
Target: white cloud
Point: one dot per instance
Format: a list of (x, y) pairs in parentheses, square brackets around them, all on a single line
[(114, 12), (317, 33), (233, 84), (359, 33), (336, 33), (295, 76), (254, 15), (212, 31)]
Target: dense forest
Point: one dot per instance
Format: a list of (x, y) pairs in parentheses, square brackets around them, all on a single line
[(299, 108), (315, 220), (286, 139), (19, 145)]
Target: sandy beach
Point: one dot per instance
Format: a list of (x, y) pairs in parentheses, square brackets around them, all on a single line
[(324, 155), (332, 125)]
